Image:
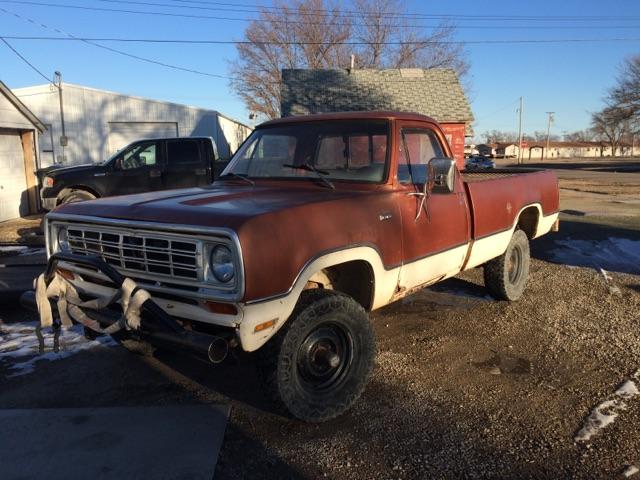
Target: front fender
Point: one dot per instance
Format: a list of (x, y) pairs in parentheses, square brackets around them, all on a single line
[(280, 307)]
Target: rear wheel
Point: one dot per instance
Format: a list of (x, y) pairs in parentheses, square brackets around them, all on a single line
[(319, 363), (77, 196), (506, 276)]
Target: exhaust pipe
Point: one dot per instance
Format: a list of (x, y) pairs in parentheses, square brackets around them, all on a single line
[(218, 350), (213, 348)]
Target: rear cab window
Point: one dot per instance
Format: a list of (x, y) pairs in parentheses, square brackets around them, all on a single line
[(181, 152)]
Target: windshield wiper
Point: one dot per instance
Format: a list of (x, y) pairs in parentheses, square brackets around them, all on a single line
[(311, 168), (240, 176)]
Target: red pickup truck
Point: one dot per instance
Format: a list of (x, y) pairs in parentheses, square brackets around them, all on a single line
[(316, 221)]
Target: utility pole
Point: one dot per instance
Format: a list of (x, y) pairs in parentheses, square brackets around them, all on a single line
[(63, 137), (549, 122), (520, 110)]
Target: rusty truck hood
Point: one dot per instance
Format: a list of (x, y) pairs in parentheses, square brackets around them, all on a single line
[(222, 205), (280, 226)]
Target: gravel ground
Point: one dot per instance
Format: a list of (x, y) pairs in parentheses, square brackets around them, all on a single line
[(479, 388), (465, 387)]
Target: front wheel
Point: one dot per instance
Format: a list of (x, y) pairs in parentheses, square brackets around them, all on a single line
[(319, 363), (506, 276)]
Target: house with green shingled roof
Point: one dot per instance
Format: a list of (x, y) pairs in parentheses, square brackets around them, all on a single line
[(436, 93)]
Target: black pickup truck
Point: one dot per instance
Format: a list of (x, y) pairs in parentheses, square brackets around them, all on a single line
[(142, 166)]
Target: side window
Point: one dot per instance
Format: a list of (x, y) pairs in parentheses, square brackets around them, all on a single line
[(141, 155), (183, 151), (418, 147)]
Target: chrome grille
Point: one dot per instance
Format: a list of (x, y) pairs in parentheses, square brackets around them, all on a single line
[(140, 252)]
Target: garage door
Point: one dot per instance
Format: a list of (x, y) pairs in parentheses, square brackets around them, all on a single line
[(122, 134), (13, 185)]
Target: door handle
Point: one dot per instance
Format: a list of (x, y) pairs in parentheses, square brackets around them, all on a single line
[(155, 173), (201, 171), (415, 194)]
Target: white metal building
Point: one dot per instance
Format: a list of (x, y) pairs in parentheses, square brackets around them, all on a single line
[(98, 123), (19, 129)]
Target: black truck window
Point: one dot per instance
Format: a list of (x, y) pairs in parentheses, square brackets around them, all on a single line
[(140, 155), (183, 151)]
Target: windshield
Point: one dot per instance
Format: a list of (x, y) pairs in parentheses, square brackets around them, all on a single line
[(351, 151)]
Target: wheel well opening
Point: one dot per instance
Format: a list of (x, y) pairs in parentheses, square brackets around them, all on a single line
[(353, 278), (67, 190), (528, 221)]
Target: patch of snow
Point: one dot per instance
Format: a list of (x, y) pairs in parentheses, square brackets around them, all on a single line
[(33, 251), (617, 254), (20, 349), (606, 276), (606, 412), (630, 470), (13, 248), (628, 389)]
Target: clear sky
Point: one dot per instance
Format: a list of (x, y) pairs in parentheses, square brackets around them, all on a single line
[(568, 78)]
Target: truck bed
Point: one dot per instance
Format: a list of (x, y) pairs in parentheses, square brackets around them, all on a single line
[(483, 175), (498, 196)]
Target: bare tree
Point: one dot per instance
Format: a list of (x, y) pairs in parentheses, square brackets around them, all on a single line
[(586, 135), (612, 124), (301, 33), (626, 94), (317, 33), (389, 41), (495, 136)]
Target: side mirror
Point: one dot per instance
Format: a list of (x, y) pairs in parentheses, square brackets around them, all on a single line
[(442, 175), (117, 165)]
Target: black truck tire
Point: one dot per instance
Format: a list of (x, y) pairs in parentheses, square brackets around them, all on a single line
[(320, 361), (506, 276), (76, 196)]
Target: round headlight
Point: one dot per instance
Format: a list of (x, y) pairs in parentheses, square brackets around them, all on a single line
[(63, 240), (221, 262)]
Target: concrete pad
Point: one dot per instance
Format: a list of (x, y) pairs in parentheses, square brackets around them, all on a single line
[(173, 442)]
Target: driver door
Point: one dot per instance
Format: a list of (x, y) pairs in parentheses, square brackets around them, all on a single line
[(435, 226), (137, 169)]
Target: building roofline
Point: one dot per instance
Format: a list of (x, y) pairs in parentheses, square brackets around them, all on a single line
[(21, 107), (136, 97)]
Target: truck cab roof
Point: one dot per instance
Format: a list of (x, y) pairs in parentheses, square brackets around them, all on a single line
[(357, 115)]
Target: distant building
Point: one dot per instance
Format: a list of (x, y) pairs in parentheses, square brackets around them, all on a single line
[(534, 150), (433, 92), (98, 123), (19, 131)]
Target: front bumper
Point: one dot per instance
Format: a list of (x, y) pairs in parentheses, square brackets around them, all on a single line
[(157, 327)]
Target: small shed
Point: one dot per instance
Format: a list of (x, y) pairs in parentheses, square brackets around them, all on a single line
[(434, 92), (88, 125), (19, 130)]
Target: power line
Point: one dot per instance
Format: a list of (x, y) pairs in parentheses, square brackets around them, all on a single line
[(283, 20), (222, 6), (33, 67), (243, 42), (110, 49), (484, 117), (422, 15)]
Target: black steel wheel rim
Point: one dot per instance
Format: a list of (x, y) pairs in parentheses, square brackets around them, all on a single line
[(515, 265), (324, 357)]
